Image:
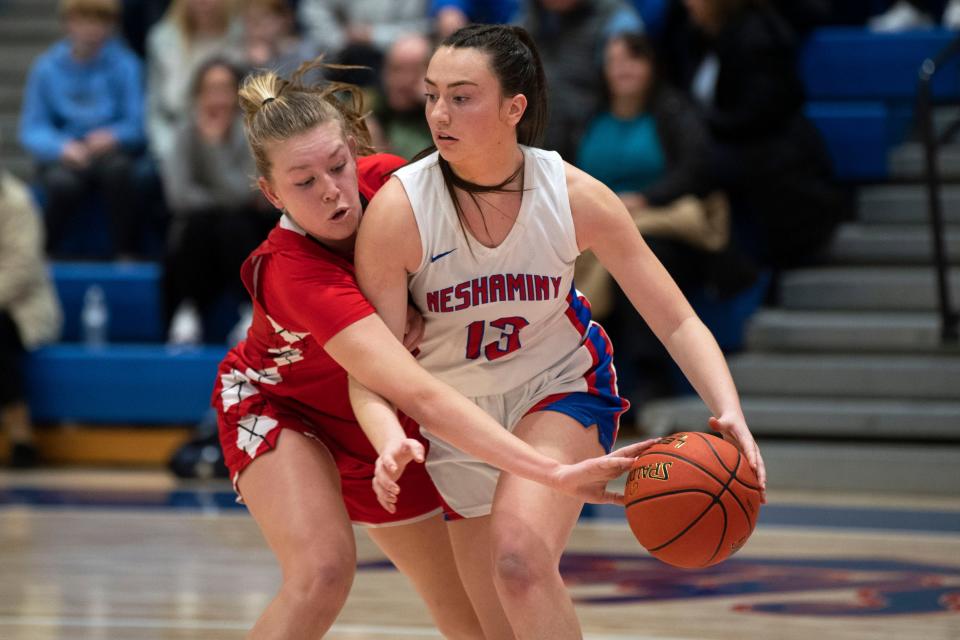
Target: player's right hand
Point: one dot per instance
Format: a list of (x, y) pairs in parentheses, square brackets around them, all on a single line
[(389, 467), (588, 479)]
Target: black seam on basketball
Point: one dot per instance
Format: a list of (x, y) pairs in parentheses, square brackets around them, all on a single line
[(687, 528), (723, 532), (690, 462), (748, 485), (706, 441), (667, 493), (733, 474)]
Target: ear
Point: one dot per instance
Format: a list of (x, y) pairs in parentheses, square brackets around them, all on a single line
[(516, 107), (267, 190)]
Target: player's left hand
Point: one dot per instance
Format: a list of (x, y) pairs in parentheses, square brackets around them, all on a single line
[(413, 330), (588, 478), (734, 430), (389, 467)]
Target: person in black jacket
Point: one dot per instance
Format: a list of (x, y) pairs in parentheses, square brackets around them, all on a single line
[(738, 60), (649, 144)]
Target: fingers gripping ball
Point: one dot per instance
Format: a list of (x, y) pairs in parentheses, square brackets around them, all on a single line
[(692, 500)]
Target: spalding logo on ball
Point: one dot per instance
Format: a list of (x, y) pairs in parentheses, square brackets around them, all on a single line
[(692, 500)]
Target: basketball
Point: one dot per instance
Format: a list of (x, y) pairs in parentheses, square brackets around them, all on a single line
[(692, 500)]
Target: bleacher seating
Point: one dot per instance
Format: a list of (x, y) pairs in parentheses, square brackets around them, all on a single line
[(132, 294), (135, 378), (861, 87), (149, 384)]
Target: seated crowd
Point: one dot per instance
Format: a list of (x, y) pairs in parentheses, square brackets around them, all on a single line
[(691, 110)]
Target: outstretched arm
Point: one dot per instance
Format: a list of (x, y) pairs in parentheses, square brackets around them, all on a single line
[(374, 357), (604, 226), (388, 247)]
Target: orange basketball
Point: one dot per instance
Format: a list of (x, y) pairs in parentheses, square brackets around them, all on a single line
[(692, 500)]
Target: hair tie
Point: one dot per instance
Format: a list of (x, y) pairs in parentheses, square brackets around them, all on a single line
[(266, 100)]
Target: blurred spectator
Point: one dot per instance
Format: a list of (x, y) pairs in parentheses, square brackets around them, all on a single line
[(902, 15), (399, 125), (29, 311), (805, 15), (190, 32), (570, 36), (358, 32), (270, 37), (894, 15), (136, 19), (951, 15), (218, 217), (450, 15), (82, 120), (738, 58), (650, 146)]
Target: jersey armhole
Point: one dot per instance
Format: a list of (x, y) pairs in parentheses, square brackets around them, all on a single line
[(566, 212), (416, 221)]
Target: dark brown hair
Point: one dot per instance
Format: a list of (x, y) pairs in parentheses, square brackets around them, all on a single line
[(640, 48), (515, 61)]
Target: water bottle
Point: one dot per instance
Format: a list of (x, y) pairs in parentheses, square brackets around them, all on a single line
[(94, 317)]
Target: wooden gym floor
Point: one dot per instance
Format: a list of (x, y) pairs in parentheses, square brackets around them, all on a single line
[(134, 555)]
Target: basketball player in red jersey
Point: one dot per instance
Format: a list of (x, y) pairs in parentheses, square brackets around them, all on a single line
[(311, 328)]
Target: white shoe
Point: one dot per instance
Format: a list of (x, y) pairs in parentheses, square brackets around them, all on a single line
[(902, 16), (239, 331), (951, 15), (186, 328)]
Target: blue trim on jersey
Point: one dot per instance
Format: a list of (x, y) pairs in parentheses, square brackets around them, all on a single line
[(590, 409), (600, 405), (581, 308), (606, 376)]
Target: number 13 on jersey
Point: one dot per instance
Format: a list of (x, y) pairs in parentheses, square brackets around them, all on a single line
[(507, 342)]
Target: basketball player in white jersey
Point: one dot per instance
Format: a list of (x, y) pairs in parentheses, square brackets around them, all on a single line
[(484, 233)]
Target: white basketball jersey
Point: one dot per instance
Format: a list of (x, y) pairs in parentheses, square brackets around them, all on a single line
[(497, 317)]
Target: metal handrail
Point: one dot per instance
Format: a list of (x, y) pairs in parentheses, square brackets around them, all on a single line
[(949, 318)]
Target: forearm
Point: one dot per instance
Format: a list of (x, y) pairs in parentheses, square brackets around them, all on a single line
[(376, 416), (698, 355), (453, 418)]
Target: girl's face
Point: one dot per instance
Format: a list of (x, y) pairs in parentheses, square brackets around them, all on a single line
[(205, 14), (217, 92), (468, 115), (314, 178), (628, 76), (700, 12), (87, 34)]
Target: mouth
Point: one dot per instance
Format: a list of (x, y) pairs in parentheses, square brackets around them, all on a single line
[(339, 214), (445, 137)]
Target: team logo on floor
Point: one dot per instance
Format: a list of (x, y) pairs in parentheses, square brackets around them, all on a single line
[(860, 587)]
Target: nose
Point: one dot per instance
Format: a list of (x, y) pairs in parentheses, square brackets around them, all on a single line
[(331, 191), (439, 113)]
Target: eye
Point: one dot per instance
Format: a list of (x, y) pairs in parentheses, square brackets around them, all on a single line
[(431, 97), (460, 99), (339, 168), (305, 183)]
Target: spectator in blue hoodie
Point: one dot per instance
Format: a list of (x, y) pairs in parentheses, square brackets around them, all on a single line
[(82, 121), (450, 15)]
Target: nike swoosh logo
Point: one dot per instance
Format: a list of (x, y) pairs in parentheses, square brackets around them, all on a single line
[(440, 255)]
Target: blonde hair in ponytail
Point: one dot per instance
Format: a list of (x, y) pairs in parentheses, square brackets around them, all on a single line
[(276, 109)]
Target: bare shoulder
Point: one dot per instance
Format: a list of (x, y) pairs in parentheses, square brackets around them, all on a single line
[(388, 207), (389, 227), (593, 205)]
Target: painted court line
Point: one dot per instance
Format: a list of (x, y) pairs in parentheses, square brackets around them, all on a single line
[(387, 631)]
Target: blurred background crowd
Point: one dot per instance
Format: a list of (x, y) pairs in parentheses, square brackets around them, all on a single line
[(691, 110)]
